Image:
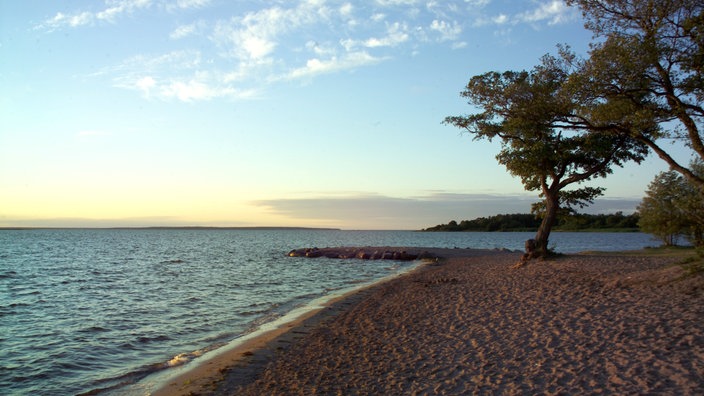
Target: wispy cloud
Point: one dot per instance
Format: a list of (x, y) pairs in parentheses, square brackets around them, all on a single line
[(374, 210), (110, 13), (113, 10), (554, 12), (395, 34), (550, 12), (240, 55), (447, 30), (186, 4), (348, 61), (187, 30)]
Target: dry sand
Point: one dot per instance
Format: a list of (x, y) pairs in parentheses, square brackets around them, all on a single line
[(470, 324)]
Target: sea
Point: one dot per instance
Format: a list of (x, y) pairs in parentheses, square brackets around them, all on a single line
[(108, 311)]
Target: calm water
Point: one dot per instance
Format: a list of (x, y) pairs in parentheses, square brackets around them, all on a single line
[(83, 310)]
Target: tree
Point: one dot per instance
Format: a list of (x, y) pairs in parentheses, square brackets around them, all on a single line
[(673, 207), (692, 203), (660, 213), (542, 140), (644, 75)]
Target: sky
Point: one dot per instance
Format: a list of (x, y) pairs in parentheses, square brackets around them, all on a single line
[(307, 113)]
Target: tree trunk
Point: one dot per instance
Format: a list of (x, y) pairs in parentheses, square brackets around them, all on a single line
[(552, 205)]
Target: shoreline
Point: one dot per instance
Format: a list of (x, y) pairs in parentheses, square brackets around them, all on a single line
[(249, 352), (597, 323)]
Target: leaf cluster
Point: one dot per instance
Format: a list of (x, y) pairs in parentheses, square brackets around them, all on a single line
[(644, 73), (544, 139)]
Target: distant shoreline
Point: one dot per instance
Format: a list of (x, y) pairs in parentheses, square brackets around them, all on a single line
[(265, 228)]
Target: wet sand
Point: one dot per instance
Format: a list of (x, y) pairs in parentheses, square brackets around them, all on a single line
[(470, 324)]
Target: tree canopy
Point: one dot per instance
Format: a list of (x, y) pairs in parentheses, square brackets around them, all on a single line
[(644, 74), (543, 139)]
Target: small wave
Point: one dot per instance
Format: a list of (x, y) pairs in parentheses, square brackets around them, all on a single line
[(105, 385), (175, 261), (16, 305), (253, 312), (23, 293), (128, 346), (93, 329), (8, 274), (182, 358), (146, 340)]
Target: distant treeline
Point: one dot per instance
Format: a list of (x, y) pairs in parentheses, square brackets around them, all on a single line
[(528, 222)]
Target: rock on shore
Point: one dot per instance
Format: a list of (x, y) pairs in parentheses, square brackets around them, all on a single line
[(362, 254)]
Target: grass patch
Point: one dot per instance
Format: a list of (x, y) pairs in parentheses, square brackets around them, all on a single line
[(691, 259), (662, 251), (694, 264)]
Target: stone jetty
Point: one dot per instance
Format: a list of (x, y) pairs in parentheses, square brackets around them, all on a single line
[(363, 253)]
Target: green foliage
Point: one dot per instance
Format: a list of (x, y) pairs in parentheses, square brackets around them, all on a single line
[(544, 140), (529, 222), (694, 264), (644, 73), (674, 207), (610, 222)]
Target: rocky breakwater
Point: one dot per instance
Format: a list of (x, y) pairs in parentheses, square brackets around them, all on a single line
[(362, 254)]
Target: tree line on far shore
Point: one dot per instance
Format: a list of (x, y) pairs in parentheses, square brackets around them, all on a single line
[(671, 210), (529, 222)]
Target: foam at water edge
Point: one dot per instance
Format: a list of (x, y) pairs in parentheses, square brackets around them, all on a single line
[(183, 365)]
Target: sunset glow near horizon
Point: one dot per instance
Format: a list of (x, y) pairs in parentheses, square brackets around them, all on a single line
[(265, 113)]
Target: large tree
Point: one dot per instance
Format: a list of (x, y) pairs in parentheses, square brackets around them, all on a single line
[(543, 140), (644, 73)]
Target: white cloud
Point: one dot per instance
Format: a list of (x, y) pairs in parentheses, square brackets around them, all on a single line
[(183, 31), (346, 9), (122, 7), (255, 35), (316, 66), (241, 55), (319, 50), (61, 19), (478, 3), (554, 11), (448, 30), (257, 47), (145, 84), (500, 19), (199, 87), (186, 4), (396, 33), (113, 10), (388, 3), (83, 18), (188, 91), (378, 17)]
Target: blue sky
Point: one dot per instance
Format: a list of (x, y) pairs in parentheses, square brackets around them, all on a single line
[(243, 113)]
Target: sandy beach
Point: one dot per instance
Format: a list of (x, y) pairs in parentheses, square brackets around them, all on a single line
[(470, 324)]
